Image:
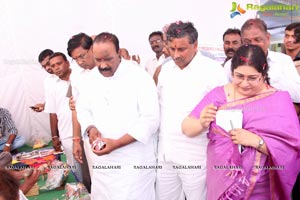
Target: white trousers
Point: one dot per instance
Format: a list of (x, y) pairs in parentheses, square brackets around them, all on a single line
[(67, 144), (123, 184), (178, 182)]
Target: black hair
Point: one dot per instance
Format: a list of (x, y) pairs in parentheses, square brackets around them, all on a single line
[(181, 29), (105, 37), (159, 33), (251, 55), (44, 54), (58, 54), (231, 31), (9, 186), (79, 40), (296, 27)]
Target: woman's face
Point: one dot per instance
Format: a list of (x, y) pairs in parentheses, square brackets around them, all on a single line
[(248, 80)]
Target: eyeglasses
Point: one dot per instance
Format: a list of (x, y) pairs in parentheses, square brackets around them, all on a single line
[(252, 79), (157, 41), (81, 56)]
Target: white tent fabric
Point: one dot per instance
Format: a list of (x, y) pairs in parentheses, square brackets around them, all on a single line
[(30, 26), (20, 87)]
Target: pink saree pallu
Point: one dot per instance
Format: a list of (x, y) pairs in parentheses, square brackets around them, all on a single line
[(251, 174)]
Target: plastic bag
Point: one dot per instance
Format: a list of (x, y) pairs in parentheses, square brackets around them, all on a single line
[(57, 175), (76, 191)]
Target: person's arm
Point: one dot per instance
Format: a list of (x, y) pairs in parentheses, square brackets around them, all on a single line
[(192, 126), (9, 142), (111, 144), (30, 181), (12, 131), (54, 132), (77, 150), (247, 138)]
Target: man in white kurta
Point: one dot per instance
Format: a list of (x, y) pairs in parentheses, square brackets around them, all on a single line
[(117, 103), (181, 84), (58, 103), (282, 72)]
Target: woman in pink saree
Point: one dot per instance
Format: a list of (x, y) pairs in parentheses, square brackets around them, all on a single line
[(267, 166)]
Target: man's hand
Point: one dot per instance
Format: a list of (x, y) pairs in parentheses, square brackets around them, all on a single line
[(30, 181), (93, 134), (77, 151), (72, 103), (108, 147), (56, 144), (6, 148), (38, 107)]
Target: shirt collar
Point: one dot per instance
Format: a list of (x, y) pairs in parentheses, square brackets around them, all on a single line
[(297, 57)]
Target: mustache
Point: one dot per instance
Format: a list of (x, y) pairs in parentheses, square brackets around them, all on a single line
[(230, 50), (179, 59), (105, 69)]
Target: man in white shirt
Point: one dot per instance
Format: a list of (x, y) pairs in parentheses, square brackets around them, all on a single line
[(292, 48), (282, 72), (44, 62), (231, 42), (292, 43), (182, 83), (58, 104), (80, 50), (119, 106), (157, 45)]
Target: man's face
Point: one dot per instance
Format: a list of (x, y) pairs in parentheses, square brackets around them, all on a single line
[(46, 65), (289, 41), (156, 43), (255, 36), (107, 59), (83, 57), (182, 51), (231, 43), (60, 67)]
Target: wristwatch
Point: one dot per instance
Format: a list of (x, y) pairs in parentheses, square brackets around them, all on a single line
[(8, 145), (260, 143)]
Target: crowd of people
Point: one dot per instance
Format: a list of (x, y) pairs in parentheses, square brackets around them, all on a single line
[(181, 127)]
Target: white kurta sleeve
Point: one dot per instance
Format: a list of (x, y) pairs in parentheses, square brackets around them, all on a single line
[(291, 80), (148, 106), (84, 114)]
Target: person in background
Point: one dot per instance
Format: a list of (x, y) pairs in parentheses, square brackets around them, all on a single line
[(58, 105), (10, 139), (10, 187), (231, 42), (80, 50), (166, 53), (125, 54), (43, 59), (157, 45), (181, 83), (283, 74), (291, 43), (260, 159)]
